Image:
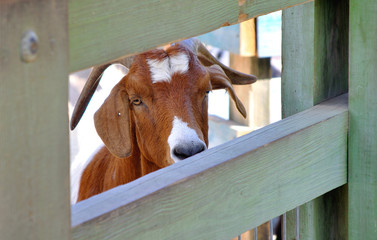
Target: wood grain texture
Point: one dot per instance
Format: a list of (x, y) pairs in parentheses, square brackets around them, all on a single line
[(363, 121), (100, 31), (297, 90), (228, 189), (34, 151), (315, 67), (297, 58)]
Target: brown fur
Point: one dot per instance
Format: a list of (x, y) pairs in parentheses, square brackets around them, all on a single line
[(151, 121)]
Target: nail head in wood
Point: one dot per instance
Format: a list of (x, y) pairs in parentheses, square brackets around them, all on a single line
[(29, 46)]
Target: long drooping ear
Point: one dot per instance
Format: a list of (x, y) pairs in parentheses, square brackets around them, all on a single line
[(112, 122), (219, 80), (91, 86)]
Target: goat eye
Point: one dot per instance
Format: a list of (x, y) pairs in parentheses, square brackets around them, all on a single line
[(207, 92), (136, 101)]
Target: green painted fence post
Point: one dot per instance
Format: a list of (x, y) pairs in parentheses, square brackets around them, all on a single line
[(362, 196), (34, 150), (315, 68)]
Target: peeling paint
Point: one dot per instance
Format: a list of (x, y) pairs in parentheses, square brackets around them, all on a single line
[(225, 24), (242, 17)]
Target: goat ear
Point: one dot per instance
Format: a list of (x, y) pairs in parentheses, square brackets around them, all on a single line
[(219, 80), (112, 122)]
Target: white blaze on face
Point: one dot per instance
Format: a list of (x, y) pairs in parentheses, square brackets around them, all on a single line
[(163, 70), (182, 134)]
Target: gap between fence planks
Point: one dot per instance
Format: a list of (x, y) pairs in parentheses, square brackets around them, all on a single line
[(100, 32), (228, 189)]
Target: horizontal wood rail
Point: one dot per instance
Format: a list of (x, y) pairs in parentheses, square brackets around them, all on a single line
[(228, 189), (100, 31)]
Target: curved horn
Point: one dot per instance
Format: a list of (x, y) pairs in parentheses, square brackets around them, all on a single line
[(91, 86), (207, 60)]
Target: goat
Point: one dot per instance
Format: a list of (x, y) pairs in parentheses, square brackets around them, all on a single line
[(156, 115)]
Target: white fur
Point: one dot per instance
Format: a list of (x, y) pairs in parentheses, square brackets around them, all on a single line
[(179, 63), (160, 70), (181, 133), (77, 169), (163, 70)]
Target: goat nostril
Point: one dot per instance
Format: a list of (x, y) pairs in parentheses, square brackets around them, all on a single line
[(180, 153), (201, 148), (183, 152)]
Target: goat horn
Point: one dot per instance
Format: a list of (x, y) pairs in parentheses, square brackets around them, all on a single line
[(91, 86), (207, 60)]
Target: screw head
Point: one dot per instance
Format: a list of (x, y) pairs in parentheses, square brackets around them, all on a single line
[(29, 46)]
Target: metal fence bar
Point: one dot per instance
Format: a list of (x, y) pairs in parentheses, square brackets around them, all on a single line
[(297, 223), (271, 229), (284, 227)]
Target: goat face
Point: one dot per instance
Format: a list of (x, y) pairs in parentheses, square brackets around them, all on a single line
[(164, 97), (160, 107), (167, 92)]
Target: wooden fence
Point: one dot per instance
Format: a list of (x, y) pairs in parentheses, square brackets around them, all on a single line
[(324, 155)]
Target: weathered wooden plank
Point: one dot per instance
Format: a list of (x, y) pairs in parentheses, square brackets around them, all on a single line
[(34, 153), (315, 62), (101, 31), (297, 57), (315, 54), (297, 90), (228, 189), (362, 195)]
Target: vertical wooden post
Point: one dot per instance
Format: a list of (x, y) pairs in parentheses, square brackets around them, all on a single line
[(297, 82), (248, 38), (34, 152), (362, 196), (297, 58), (315, 67)]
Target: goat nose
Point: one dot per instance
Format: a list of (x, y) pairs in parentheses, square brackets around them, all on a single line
[(185, 151)]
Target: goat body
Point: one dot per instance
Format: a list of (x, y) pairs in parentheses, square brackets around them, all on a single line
[(155, 116)]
